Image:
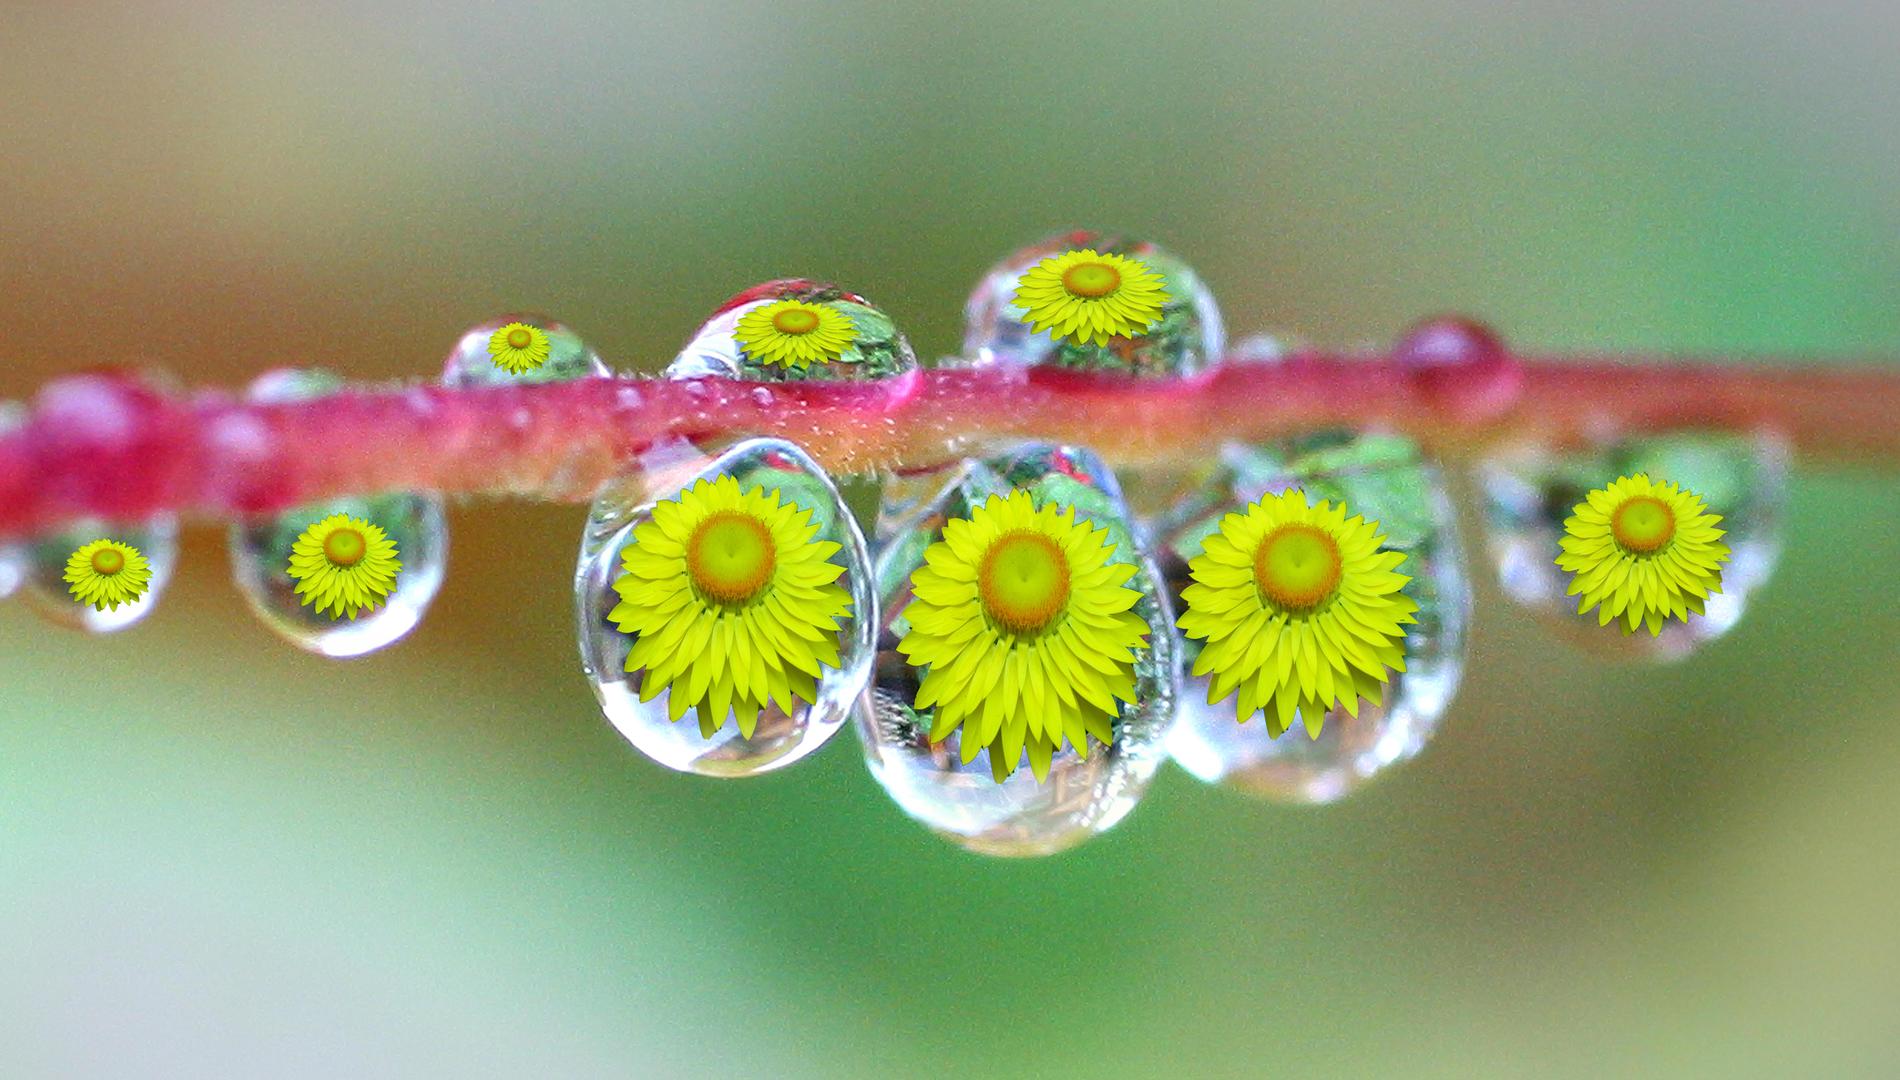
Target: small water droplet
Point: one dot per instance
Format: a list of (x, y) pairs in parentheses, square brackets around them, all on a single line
[(963, 802), (1461, 366), (1383, 479), (762, 397), (1530, 490), (260, 550), (779, 738), (46, 586), (471, 363), (877, 349), (1187, 337)]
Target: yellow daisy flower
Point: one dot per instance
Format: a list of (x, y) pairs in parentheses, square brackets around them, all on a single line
[(1644, 551), (793, 333), (1025, 626), (1300, 611), (345, 564), (732, 602), (519, 348), (106, 573), (1084, 295)]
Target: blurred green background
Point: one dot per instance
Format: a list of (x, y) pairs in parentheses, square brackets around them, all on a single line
[(219, 856)]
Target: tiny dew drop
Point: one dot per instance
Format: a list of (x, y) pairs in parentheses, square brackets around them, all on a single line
[(473, 361), (260, 551), (1530, 490), (1383, 479)]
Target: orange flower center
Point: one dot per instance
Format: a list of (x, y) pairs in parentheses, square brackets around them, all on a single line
[(795, 321), (1091, 280), (730, 557), (1643, 524), (345, 547), (107, 561), (1023, 582), (1297, 567), (520, 338)]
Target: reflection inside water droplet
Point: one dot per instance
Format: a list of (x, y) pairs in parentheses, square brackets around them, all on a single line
[(1383, 479), (1529, 491)]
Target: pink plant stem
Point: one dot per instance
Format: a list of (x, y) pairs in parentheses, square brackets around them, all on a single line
[(104, 446)]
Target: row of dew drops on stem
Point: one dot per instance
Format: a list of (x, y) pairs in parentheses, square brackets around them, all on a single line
[(778, 696)]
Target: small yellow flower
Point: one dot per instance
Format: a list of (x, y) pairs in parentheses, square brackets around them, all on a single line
[(1300, 611), (106, 573), (793, 333), (1644, 551), (1084, 296), (1024, 622), (733, 603), (345, 564), (518, 347)]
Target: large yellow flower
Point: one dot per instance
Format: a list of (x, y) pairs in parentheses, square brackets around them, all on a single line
[(1087, 296), (1644, 551), (519, 348), (732, 601), (1024, 623), (793, 333), (106, 573), (344, 564), (1300, 610)]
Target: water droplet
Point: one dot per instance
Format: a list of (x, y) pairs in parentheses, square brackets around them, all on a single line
[(1019, 816), (156, 539), (1461, 367), (260, 550), (471, 363), (877, 349), (1188, 336), (1384, 479), (1530, 490), (779, 738)]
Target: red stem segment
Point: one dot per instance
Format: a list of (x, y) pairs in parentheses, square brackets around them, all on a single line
[(106, 446)]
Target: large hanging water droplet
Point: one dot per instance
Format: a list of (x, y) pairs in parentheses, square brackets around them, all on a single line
[(1186, 338), (780, 737), (864, 344), (1530, 490), (47, 556), (1383, 479), (260, 550), (486, 356), (963, 801)]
